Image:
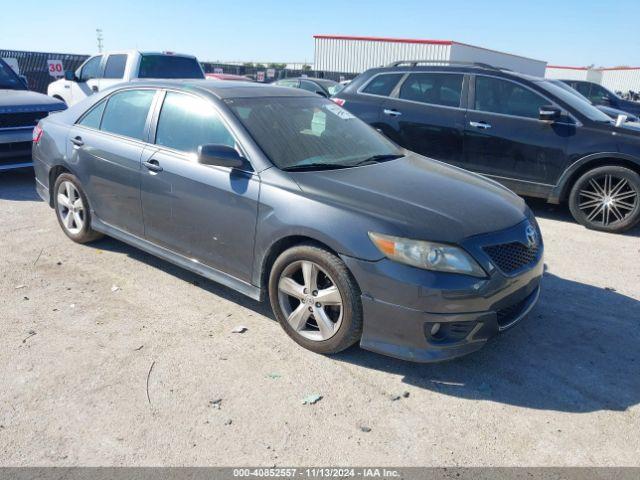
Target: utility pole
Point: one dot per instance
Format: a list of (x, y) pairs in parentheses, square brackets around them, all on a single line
[(99, 38)]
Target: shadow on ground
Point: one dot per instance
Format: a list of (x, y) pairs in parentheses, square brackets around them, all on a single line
[(576, 352), (18, 185)]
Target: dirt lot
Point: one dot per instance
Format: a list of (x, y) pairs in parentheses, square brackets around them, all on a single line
[(82, 325)]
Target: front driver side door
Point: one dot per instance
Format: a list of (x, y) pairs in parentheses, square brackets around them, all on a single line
[(88, 80), (204, 213), (505, 139)]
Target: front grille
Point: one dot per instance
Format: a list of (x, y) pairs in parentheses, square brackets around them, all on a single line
[(11, 152), (510, 257), (20, 119)]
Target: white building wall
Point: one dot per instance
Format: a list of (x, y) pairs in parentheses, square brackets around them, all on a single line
[(355, 56), (621, 80), (566, 73), (468, 53)]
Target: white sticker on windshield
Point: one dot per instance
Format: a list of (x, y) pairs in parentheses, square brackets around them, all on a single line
[(340, 112)]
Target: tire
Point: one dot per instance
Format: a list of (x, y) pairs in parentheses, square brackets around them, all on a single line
[(606, 199), (344, 325), (75, 221)]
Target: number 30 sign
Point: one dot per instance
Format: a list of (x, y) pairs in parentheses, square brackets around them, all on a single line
[(55, 68)]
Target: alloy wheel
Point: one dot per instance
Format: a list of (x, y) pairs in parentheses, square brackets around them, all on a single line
[(70, 207), (310, 300), (607, 199)]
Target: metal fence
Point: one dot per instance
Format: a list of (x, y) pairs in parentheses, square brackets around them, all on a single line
[(36, 67)]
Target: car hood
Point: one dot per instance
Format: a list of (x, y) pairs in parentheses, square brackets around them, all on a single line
[(614, 112), (420, 198), (26, 100)]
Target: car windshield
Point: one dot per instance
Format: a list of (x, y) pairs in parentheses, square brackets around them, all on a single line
[(8, 78), (299, 133), (169, 66), (582, 106)]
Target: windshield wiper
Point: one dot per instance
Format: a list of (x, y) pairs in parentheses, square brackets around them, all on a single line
[(314, 166), (377, 159)]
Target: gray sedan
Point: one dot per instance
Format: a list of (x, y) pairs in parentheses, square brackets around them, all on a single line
[(281, 194)]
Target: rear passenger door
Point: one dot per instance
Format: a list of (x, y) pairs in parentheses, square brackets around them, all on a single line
[(504, 137), (426, 115)]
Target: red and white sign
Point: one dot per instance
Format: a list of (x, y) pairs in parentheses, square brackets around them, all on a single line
[(260, 76), (55, 68)]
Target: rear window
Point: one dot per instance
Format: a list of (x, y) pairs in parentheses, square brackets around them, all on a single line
[(115, 66), (383, 84), (434, 88), (169, 66)]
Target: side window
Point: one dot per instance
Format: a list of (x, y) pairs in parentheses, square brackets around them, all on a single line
[(383, 84), (502, 96), (287, 83), (91, 69), (93, 118), (126, 113), (583, 88), (310, 86), (435, 88), (186, 122), (115, 66), (599, 95)]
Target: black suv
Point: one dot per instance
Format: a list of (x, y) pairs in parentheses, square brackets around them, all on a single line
[(602, 96), (525, 132)]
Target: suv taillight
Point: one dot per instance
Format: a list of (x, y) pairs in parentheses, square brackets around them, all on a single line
[(339, 101), (37, 134)]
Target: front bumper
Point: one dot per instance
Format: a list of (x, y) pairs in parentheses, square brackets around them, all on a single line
[(15, 148), (426, 316)]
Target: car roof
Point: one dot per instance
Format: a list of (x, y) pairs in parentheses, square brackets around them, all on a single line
[(130, 52), (227, 89), (454, 69)]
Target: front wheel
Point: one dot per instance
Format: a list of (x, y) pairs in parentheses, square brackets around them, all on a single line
[(607, 199), (316, 299)]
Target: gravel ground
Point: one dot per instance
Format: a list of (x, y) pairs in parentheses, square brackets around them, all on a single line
[(110, 356)]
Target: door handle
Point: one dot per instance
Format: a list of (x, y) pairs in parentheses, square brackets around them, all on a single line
[(152, 165), (77, 141), (94, 88), (481, 125), (393, 113)]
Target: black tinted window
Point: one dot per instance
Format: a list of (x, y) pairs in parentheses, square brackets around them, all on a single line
[(186, 122), (168, 66), (115, 66), (583, 88), (501, 96), (92, 119), (91, 69), (435, 88), (126, 113), (383, 84), (599, 94)]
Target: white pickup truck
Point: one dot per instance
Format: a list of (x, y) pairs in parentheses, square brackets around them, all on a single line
[(106, 69)]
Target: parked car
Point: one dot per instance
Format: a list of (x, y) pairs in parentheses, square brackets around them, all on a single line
[(525, 132), (320, 86), (279, 193), (600, 95), (228, 76), (20, 111), (108, 69), (613, 113)]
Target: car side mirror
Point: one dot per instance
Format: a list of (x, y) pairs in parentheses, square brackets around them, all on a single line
[(549, 113), (70, 75), (220, 155), (322, 93), (621, 120)]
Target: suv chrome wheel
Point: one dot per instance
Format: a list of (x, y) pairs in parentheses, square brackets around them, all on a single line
[(70, 207), (310, 300), (607, 199)]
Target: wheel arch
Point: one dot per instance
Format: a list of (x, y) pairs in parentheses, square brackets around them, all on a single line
[(560, 192), (54, 173)]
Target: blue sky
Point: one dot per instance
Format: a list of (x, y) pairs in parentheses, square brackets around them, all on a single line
[(565, 32)]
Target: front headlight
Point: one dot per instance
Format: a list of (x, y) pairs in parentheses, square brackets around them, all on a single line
[(427, 255)]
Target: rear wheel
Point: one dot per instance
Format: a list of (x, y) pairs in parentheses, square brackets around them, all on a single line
[(607, 199), (72, 209), (316, 299)]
